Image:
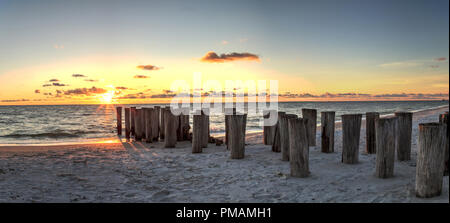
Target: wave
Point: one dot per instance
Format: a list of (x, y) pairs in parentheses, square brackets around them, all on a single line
[(53, 135)]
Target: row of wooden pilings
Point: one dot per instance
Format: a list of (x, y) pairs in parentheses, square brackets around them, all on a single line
[(292, 136), (385, 137)]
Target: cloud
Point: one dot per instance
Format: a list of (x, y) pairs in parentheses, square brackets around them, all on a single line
[(434, 66), (141, 76), (53, 80), (46, 85), (139, 95), (351, 95), (121, 88), (224, 42), (212, 57), (78, 75), (90, 80), (37, 91), (402, 64), (58, 84), (85, 91), (440, 59), (148, 67), (15, 100)]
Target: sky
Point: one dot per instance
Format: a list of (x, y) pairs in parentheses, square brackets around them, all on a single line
[(77, 52)]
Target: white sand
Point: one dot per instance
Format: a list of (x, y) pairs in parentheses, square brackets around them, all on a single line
[(149, 173)]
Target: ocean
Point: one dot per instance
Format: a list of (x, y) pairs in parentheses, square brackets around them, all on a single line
[(54, 124)]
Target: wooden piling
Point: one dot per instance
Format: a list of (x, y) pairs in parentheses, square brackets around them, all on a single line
[(237, 125), (351, 128), (430, 159), (197, 131), (276, 145), (284, 135), (298, 147), (162, 116), (148, 113), (385, 146), (404, 131), (170, 129), (154, 124), (127, 123), (132, 120), (268, 130), (137, 124), (310, 115), (327, 122), (371, 117), (443, 119), (205, 129), (157, 118), (228, 113), (119, 120)]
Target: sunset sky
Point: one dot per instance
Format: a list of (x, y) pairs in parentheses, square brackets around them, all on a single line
[(71, 52)]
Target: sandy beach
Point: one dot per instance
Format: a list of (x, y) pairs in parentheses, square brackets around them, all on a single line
[(140, 172)]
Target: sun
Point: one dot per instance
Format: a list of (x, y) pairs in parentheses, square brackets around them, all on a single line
[(107, 97)]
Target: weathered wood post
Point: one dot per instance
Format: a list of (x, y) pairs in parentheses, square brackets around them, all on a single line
[(170, 129), (157, 114), (310, 115), (351, 128), (163, 116), (237, 135), (430, 159), (205, 134), (197, 131), (268, 130), (327, 122), (276, 145), (443, 119), (371, 117), (148, 124), (119, 120), (127, 123), (154, 124), (404, 131), (386, 143), (228, 113), (137, 125), (284, 135), (132, 120), (298, 147)]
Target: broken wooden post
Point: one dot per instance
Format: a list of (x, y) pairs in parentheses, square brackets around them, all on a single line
[(276, 145), (119, 120), (205, 129), (148, 113), (310, 115), (430, 159), (237, 125), (404, 131), (443, 119), (371, 117), (284, 135), (351, 128), (197, 131), (228, 112), (327, 122), (132, 120), (154, 124), (170, 129), (298, 147), (162, 115), (386, 129), (127, 123), (268, 130), (137, 125)]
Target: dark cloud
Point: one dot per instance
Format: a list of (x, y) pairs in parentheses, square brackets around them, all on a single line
[(78, 75), (48, 94), (121, 88), (148, 67), (37, 91), (441, 59), (85, 91), (53, 80), (141, 76), (90, 80), (58, 84), (139, 95), (15, 100), (214, 58), (46, 85)]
